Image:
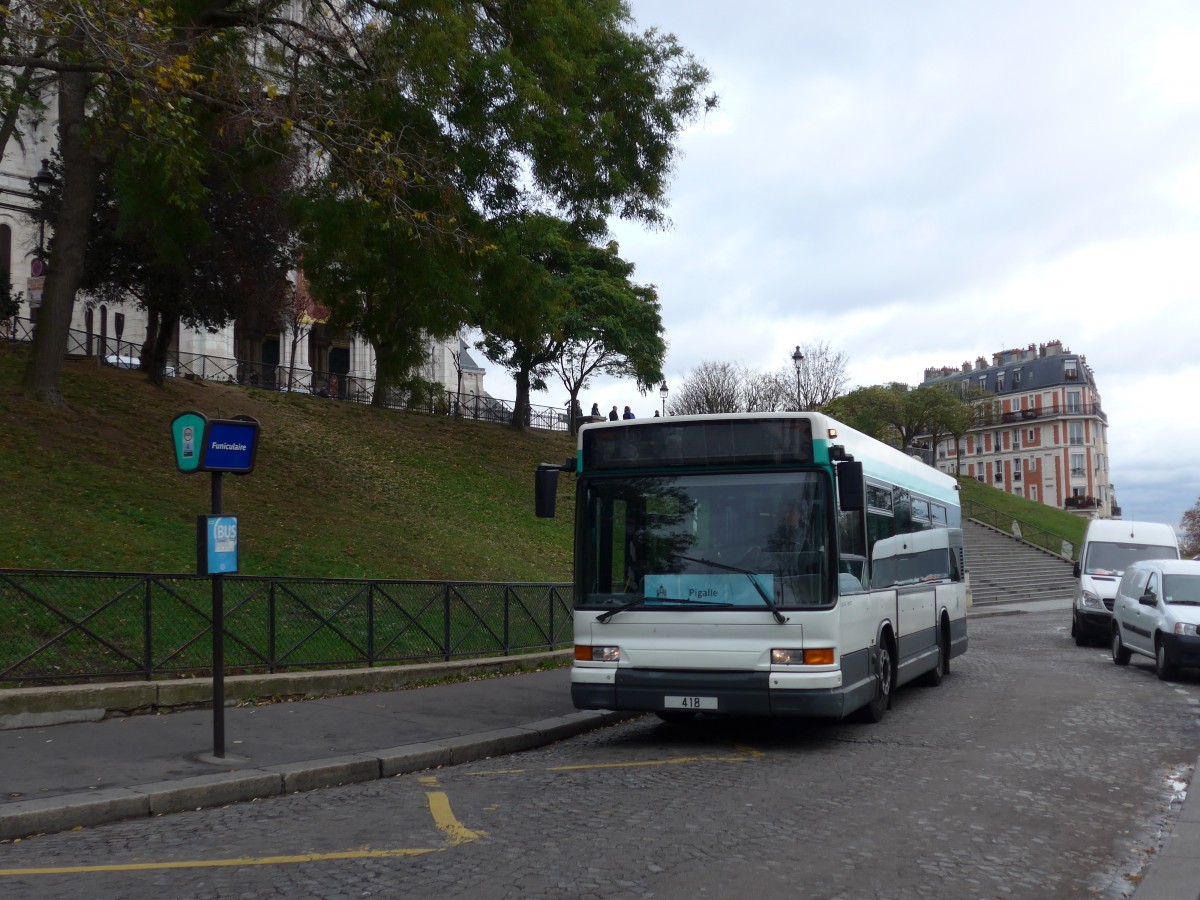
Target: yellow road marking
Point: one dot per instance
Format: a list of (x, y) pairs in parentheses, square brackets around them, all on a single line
[(456, 833), (744, 754), (219, 863), (439, 807)]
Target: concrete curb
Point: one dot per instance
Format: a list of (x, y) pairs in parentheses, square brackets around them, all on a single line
[(40, 706), (26, 817)]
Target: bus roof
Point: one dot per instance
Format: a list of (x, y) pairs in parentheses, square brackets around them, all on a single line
[(878, 459)]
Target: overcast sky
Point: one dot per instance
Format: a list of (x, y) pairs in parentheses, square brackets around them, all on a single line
[(919, 184)]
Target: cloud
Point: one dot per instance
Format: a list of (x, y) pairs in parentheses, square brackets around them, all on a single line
[(922, 184)]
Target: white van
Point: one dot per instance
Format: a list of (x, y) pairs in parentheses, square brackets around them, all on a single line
[(1157, 614), (1109, 546)]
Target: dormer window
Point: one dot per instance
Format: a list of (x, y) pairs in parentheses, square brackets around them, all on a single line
[(1070, 370), (1000, 380)]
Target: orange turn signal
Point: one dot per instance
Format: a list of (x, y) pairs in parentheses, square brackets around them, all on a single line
[(821, 657), (583, 653)]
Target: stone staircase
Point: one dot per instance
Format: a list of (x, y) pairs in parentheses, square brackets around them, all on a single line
[(1005, 569)]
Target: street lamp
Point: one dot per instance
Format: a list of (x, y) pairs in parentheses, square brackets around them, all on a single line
[(797, 359), (662, 392)]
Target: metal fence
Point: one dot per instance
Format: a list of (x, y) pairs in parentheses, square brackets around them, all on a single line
[(1055, 543), (279, 377), (62, 627)]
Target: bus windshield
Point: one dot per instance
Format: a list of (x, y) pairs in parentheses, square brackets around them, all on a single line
[(706, 541)]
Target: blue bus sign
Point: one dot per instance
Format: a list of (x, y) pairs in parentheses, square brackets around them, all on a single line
[(216, 544), (230, 445)]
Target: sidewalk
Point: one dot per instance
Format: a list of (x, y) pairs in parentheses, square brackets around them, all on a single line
[(57, 777)]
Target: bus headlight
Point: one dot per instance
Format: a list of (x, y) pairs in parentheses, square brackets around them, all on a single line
[(1185, 628), (788, 656), (1088, 600), (597, 654)]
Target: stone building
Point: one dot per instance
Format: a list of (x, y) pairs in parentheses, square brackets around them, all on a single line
[(1041, 433)]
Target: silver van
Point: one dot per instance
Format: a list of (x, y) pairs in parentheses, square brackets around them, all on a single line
[(1109, 547)]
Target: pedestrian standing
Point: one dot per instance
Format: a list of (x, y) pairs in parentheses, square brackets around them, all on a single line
[(628, 413), (596, 410), (612, 414)]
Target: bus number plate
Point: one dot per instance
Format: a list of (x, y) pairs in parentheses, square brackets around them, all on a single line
[(689, 702)]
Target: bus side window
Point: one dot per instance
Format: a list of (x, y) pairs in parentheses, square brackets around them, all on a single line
[(852, 550)]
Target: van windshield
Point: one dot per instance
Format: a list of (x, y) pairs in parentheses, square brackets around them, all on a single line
[(1113, 559), (1182, 589)]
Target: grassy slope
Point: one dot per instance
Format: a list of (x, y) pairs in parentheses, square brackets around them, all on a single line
[(340, 490), (1047, 518)]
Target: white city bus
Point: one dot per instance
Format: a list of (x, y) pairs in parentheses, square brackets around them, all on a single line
[(758, 564)]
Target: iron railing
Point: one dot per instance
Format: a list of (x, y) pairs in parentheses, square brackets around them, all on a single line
[(986, 418), (281, 377), (1055, 543), (64, 627)]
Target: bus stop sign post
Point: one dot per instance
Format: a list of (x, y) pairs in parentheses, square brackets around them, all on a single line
[(216, 446)]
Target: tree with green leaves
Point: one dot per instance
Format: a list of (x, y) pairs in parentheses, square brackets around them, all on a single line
[(226, 258), (1189, 528), (609, 325), (898, 415), (876, 410), (554, 299), (386, 285), (412, 110)]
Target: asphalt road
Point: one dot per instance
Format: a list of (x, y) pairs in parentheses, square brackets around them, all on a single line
[(1037, 769)]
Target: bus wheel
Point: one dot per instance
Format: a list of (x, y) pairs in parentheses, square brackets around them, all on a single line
[(675, 716), (885, 675)]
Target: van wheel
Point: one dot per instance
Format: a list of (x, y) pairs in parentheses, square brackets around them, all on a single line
[(1164, 666), (1081, 639), (1120, 653)]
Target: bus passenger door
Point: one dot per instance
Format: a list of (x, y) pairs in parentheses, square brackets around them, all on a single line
[(917, 624)]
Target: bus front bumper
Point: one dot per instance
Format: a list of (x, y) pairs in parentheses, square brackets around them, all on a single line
[(808, 695)]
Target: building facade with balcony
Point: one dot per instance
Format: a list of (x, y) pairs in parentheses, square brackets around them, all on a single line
[(1040, 430)]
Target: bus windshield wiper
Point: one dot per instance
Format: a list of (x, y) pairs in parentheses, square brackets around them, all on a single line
[(638, 601), (779, 617)]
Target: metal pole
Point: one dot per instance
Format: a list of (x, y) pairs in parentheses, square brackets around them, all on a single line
[(218, 624)]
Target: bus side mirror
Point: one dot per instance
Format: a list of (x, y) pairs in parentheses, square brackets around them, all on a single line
[(852, 493), (1077, 569), (545, 489)]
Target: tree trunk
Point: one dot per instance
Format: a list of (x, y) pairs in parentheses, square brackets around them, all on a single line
[(65, 271), (520, 416), (156, 363)]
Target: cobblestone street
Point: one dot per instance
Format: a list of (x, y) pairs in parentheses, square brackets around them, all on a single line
[(1037, 769)]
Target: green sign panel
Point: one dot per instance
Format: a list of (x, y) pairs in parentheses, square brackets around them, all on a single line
[(187, 431)]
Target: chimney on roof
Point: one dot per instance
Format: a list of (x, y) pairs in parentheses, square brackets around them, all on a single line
[(980, 364), (966, 366)]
